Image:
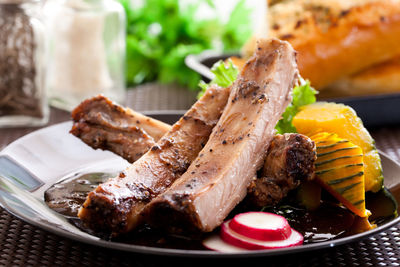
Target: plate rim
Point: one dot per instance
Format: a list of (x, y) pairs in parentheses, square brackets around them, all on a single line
[(181, 252)]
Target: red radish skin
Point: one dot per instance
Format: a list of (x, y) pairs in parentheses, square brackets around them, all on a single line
[(235, 239), (215, 243), (263, 226)]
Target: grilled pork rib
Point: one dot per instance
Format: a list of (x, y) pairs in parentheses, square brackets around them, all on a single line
[(290, 160), (100, 123), (116, 204), (217, 179)]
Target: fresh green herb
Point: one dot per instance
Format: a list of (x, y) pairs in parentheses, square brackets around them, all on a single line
[(303, 94), (225, 75), (236, 31), (161, 33)]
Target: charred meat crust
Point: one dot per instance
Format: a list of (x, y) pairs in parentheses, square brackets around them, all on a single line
[(99, 209), (181, 222), (114, 208), (100, 110), (297, 154), (290, 160), (130, 143), (102, 124), (217, 180), (115, 205)]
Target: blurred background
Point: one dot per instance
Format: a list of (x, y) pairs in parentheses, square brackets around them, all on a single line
[(160, 34), (64, 51)]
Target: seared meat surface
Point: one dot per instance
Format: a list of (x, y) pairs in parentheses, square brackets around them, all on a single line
[(130, 143), (290, 160), (115, 205), (100, 123), (217, 179)]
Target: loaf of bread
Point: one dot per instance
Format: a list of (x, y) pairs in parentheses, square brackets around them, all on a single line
[(336, 38), (383, 78)]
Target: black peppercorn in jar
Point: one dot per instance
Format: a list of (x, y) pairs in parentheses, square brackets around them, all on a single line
[(22, 96)]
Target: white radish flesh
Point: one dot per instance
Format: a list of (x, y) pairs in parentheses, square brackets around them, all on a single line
[(235, 239), (215, 243), (262, 226)]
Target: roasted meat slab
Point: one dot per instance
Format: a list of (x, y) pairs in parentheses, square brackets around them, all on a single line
[(100, 123), (115, 205), (289, 161), (290, 157), (217, 179)]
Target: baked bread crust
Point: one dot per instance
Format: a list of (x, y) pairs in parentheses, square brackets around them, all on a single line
[(336, 38), (383, 78)]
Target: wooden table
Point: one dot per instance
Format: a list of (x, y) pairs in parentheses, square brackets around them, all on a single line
[(23, 244)]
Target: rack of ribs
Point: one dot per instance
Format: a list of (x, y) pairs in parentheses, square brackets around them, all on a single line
[(256, 102), (289, 160), (218, 178), (115, 206)]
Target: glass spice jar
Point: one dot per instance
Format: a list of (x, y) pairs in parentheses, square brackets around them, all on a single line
[(22, 95), (86, 51)]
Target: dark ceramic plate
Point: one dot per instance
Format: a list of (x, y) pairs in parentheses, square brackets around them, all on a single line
[(38, 160), (374, 110)]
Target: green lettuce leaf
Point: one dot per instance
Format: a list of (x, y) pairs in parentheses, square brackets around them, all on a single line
[(225, 75), (303, 94), (161, 33)]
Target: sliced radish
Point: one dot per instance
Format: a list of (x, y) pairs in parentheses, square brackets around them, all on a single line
[(262, 226), (233, 238), (215, 242)]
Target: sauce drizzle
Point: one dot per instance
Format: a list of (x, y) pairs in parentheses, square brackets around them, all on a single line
[(328, 222)]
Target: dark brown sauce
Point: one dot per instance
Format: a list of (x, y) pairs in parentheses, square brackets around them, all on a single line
[(67, 196), (328, 222)]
